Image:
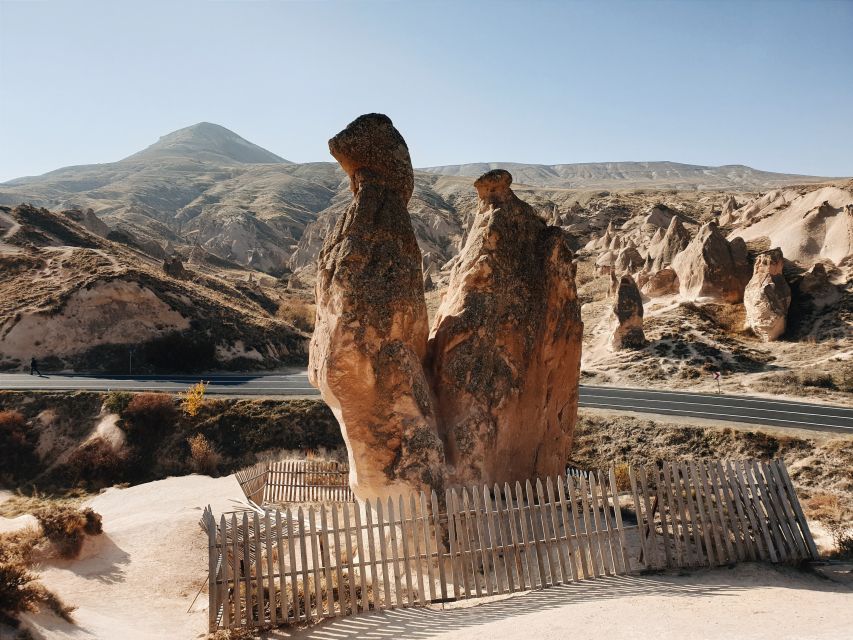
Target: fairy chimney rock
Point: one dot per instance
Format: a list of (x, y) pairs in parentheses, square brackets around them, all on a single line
[(505, 344), (712, 267), (674, 241), (370, 337), (626, 316), (767, 296)]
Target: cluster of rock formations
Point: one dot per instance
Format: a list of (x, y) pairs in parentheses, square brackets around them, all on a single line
[(490, 393), (661, 257)]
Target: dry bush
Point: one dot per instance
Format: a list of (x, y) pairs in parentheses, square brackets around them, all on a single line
[(298, 313), (838, 520), (19, 590), (148, 416), (93, 465), (623, 480), (203, 457), (66, 528), (192, 400), (17, 445)]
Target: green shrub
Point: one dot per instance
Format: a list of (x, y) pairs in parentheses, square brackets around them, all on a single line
[(117, 401)]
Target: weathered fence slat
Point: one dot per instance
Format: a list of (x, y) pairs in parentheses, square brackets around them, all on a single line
[(500, 541)]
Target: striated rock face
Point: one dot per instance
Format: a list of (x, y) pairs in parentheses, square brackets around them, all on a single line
[(660, 283), (506, 343), (492, 396), (371, 331), (712, 267), (767, 296), (626, 316), (673, 242)]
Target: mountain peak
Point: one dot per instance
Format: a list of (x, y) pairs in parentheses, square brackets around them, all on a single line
[(207, 141)]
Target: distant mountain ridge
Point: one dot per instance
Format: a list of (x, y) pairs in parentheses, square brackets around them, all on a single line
[(616, 175)]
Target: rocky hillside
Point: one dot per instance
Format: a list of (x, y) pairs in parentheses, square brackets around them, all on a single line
[(205, 185), (76, 295)]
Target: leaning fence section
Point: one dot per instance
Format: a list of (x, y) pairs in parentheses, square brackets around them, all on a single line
[(718, 512), (284, 566), (296, 481)]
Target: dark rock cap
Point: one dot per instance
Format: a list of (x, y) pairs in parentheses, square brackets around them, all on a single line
[(370, 149)]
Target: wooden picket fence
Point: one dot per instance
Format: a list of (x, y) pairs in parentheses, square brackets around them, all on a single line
[(296, 481), (274, 566)]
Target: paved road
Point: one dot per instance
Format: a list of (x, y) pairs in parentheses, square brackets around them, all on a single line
[(780, 413)]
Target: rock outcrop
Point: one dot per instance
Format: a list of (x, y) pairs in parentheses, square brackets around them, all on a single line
[(370, 336), (626, 316), (767, 296), (629, 260), (492, 396), (815, 284), (673, 242), (506, 342), (711, 267), (174, 267), (660, 283)]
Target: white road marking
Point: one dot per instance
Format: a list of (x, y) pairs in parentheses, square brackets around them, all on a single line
[(724, 406), (723, 417)]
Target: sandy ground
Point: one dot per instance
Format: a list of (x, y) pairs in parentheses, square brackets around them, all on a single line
[(748, 601), (137, 580)]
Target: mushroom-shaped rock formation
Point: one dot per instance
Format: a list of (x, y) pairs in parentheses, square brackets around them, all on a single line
[(673, 242), (492, 396), (626, 316), (506, 344), (371, 332), (767, 296), (660, 283), (712, 267)]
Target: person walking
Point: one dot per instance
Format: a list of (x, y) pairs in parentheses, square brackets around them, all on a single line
[(34, 368)]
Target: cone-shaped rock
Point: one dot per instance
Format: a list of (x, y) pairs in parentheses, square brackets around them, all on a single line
[(767, 296), (626, 316), (712, 267), (506, 344), (629, 260), (674, 241), (371, 331)]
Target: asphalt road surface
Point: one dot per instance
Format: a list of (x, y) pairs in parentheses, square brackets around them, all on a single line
[(745, 409)]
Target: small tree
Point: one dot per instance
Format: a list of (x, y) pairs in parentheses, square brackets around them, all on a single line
[(193, 399)]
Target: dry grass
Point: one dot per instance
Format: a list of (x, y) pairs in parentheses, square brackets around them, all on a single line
[(20, 503), (20, 590), (299, 313), (831, 512)]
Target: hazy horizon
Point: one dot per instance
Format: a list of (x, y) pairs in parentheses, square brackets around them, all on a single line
[(768, 85)]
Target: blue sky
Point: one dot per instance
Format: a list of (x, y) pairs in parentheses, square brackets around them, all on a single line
[(767, 84)]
